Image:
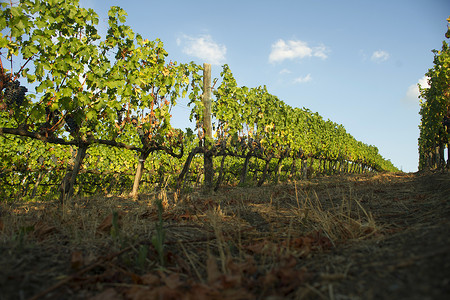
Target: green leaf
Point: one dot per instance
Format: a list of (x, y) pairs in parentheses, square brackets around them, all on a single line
[(91, 115)]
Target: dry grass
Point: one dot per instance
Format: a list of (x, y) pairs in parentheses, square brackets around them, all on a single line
[(234, 244)]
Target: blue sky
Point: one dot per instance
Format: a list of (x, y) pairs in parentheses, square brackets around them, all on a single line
[(357, 63)]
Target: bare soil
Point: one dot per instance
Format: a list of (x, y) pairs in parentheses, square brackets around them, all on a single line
[(369, 236)]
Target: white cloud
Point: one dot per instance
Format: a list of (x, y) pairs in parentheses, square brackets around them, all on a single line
[(282, 50), (412, 93), (204, 48), (285, 71), (380, 56), (305, 79), (424, 82), (320, 52)]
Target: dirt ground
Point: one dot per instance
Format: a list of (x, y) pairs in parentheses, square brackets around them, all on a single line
[(369, 236)]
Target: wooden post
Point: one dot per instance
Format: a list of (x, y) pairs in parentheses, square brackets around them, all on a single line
[(207, 100), (207, 128)]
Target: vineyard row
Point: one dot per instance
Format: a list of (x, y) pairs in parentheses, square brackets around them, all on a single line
[(101, 107), (435, 112)]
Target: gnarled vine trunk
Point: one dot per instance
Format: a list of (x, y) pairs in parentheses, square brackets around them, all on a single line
[(67, 185), (138, 175), (245, 169)]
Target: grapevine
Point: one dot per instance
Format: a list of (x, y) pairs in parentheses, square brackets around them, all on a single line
[(435, 111), (14, 94), (72, 125), (105, 105)]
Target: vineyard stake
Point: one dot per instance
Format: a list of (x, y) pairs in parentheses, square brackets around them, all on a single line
[(207, 128)]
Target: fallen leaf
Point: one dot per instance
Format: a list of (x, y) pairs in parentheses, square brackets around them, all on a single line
[(172, 281), (247, 267), (230, 281), (107, 223), (90, 258), (167, 293), (108, 294), (289, 262), (236, 294), (202, 292), (290, 279), (76, 260), (150, 280), (261, 247), (141, 293), (320, 241), (269, 279)]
